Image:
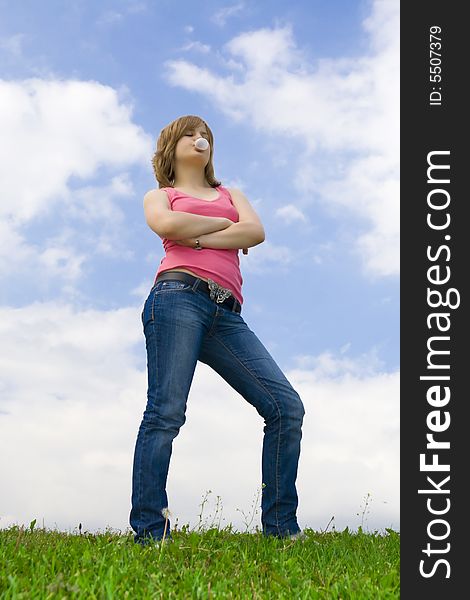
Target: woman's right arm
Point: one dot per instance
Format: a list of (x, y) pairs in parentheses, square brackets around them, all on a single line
[(177, 225)]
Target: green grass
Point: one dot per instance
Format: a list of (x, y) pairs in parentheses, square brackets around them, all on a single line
[(213, 563)]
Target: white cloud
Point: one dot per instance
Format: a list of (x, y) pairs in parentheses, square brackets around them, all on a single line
[(266, 257), (327, 366), (142, 288), (13, 45), (14, 251), (53, 131), (59, 258), (290, 213), (221, 16), (73, 422), (198, 46), (343, 115), (351, 434)]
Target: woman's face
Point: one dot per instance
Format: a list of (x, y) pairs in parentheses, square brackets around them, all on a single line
[(186, 150)]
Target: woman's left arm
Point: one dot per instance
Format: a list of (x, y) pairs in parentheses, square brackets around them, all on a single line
[(247, 232)]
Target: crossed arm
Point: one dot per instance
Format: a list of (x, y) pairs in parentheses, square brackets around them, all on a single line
[(247, 232), (238, 235)]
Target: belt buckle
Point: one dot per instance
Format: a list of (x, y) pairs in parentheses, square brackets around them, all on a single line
[(216, 289)]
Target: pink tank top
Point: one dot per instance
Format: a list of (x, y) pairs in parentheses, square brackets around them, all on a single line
[(220, 265)]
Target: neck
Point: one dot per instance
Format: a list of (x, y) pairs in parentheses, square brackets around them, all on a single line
[(190, 178)]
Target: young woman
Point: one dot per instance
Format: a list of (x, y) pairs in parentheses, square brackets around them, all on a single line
[(193, 312)]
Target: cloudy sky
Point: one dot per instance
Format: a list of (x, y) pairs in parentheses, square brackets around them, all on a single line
[(303, 101)]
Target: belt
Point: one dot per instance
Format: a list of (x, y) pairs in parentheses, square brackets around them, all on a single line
[(215, 291)]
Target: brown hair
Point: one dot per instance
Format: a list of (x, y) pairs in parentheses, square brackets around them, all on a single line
[(163, 159)]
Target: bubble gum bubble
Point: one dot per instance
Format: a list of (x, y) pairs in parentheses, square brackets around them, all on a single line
[(201, 144)]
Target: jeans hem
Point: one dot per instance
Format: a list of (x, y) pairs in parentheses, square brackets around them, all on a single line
[(282, 534), (151, 539)]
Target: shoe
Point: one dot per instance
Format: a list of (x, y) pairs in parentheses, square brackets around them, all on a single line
[(148, 541), (300, 535)]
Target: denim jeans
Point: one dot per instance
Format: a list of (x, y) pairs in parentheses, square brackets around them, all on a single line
[(181, 326)]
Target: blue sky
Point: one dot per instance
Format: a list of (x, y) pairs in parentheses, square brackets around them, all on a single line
[(302, 99)]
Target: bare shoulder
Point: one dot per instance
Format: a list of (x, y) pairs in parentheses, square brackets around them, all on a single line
[(156, 196), (236, 192), (239, 199), (245, 211), (156, 193), (157, 208)]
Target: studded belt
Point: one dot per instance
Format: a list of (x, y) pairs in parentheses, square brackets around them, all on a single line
[(215, 291)]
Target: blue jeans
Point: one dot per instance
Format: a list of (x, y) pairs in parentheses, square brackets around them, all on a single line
[(183, 325)]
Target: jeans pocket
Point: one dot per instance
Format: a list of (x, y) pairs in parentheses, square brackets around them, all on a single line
[(169, 285)]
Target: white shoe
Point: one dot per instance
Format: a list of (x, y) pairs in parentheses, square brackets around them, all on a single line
[(300, 535)]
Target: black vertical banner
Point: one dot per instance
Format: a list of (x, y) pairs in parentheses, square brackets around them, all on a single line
[(434, 291)]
